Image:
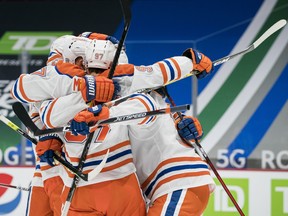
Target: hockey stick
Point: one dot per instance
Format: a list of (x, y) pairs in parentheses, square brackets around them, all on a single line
[(127, 18), (76, 179), (202, 152), (274, 28), (24, 117), (16, 128), (66, 164), (13, 186)]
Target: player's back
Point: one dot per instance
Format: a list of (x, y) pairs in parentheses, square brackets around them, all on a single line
[(113, 137)]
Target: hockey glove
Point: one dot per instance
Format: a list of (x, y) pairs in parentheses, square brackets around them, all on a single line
[(80, 123), (46, 146), (96, 88), (200, 62), (189, 128)]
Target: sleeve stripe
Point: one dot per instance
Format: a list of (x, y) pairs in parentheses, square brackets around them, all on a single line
[(164, 72), (146, 106), (177, 68), (19, 92), (46, 116), (44, 113), (147, 99), (15, 93), (147, 103), (172, 71), (150, 119)]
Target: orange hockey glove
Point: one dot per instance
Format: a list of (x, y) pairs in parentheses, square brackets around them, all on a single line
[(46, 146), (189, 128), (79, 124), (201, 62), (97, 88)]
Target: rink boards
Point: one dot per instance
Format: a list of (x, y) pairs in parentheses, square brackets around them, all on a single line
[(256, 192)]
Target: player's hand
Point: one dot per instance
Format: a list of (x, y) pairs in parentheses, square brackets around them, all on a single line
[(97, 88), (80, 123), (201, 63), (189, 128), (46, 146)]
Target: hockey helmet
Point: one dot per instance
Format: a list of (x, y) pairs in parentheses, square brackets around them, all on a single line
[(74, 47)]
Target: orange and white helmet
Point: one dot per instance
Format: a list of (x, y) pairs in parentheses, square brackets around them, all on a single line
[(75, 47), (100, 54)]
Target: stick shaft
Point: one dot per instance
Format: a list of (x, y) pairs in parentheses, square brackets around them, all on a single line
[(274, 28), (199, 149), (15, 187), (27, 121), (34, 141)]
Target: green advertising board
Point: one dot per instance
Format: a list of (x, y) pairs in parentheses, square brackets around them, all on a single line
[(36, 43)]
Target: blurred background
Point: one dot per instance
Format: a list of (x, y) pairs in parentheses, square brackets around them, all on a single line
[(242, 105)]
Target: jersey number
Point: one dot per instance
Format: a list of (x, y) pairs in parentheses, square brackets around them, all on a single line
[(100, 135)]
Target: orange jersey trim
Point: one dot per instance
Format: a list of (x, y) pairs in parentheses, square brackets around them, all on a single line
[(121, 70), (69, 69), (21, 88), (146, 106), (48, 115), (177, 68), (164, 72)]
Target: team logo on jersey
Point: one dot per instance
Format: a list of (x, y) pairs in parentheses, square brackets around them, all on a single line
[(9, 197)]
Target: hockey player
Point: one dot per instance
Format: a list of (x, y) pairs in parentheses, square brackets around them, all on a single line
[(48, 82), (173, 177), (176, 181), (195, 180)]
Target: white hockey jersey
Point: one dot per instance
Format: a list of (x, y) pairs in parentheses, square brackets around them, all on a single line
[(131, 78), (164, 163), (49, 83), (113, 137)]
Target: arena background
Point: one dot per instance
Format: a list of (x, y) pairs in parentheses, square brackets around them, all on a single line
[(242, 106)]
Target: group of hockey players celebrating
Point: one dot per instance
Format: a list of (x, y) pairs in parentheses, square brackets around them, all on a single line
[(149, 168)]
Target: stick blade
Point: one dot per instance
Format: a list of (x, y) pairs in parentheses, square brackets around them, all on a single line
[(98, 169), (22, 114), (65, 208), (274, 28)]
